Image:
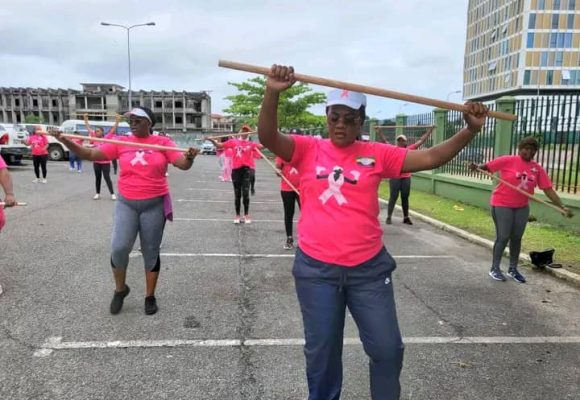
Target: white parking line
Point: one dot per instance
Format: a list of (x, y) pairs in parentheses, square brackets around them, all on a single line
[(56, 343), (229, 220), (230, 190)]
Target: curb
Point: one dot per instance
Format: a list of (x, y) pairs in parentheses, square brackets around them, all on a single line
[(560, 273)]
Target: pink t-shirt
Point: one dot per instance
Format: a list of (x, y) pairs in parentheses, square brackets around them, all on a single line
[(142, 170), (39, 144), (339, 197), (525, 175), (408, 174), (291, 173), (2, 217), (244, 152), (98, 145)]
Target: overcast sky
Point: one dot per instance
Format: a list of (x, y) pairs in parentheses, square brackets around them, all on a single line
[(412, 46)]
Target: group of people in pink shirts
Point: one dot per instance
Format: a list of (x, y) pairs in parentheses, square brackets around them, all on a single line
[(341, 261)]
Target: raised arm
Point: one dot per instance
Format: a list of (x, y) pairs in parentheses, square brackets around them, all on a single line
[(424, 137), (87, 125), (218, 145), (280, 79), (113, 130), (85, 153), (438, 155)]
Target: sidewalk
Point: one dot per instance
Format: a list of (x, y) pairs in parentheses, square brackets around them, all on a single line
[(559, 273)]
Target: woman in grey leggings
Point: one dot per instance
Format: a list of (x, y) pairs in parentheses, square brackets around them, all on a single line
[(509, 208), (144, 202)]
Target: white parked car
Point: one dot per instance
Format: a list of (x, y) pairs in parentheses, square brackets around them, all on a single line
[(13, 142), (208, 147), (56, 150)]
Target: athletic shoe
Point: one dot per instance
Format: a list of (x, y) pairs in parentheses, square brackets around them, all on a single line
[(118, 298), (113, 196), (247, 219), (43, 180), (71, 169), (388, 221), (96, 197), (516, 276), (497, 275), (237, 219), (150, 305), (35, 180), (289, 243), (407, 221)]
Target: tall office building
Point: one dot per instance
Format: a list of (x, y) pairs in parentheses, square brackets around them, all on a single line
[(521, 47)]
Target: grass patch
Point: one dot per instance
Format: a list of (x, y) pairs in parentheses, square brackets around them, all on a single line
[(538, 236)]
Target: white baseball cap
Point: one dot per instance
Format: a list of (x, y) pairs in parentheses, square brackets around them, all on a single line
[(401, 137), (347, 98), (138, 112)]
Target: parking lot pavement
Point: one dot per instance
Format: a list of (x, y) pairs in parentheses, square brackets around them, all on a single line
[(229, 326)]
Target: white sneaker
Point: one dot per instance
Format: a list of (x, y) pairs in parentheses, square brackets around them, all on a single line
[(71, 169), (43, 180), (96, 197), (113, 196), (237, 219), (35, 180), (80, 171)]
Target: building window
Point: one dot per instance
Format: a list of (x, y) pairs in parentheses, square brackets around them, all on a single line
[(571, 5), (570, 22), (560, 40), (565, 77), (567, 40), (527, 75), (550, 77), (178, 104), (530, 43), (158, 104), (556, 4), (559, 57), (54, 103), (17, 102), (34, 102), (179, 119), (553, 39), (555, 19), (541, 4), (544, 59), (532, 21)]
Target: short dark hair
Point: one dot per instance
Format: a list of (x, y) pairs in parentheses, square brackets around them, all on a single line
[(529, 142)]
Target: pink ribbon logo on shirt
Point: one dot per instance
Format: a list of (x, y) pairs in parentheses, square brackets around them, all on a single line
[(139, 158), (335, 181)]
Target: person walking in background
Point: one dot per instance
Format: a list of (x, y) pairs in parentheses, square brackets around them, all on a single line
[(402, 183), (39, 147)]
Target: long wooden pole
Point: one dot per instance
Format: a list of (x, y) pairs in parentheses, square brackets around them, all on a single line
[(531, 196), (278, 172), (403, 126), (124, 143), (18, 204), (232, 134), (364, 89)]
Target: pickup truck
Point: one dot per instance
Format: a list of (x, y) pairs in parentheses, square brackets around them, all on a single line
[(13, 143)]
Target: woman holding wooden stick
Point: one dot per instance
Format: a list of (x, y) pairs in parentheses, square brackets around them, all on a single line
[(341, 260), (143, 204), (243, 160), (509, 208), (289, 197), (102, 169)]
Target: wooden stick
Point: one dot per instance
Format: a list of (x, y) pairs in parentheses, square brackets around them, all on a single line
[(278, 172), (403, 126), (232, 134), (531, 196), (18, 204), (123, 143), (365, 89)]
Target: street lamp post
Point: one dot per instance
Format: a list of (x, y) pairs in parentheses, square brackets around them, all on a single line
[(128, 29), (454, 92)]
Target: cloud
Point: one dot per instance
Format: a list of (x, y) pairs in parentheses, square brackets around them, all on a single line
[(411, 46)]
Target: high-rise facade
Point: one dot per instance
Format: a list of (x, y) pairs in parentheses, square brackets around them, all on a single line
[(521, 47)]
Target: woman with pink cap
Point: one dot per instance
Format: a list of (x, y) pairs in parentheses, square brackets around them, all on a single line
[(143, 204), (341, 260)]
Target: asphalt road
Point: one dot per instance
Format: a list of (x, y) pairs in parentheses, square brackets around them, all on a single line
[(229, 325)]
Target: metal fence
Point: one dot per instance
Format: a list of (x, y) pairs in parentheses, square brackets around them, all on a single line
[(555, 122)]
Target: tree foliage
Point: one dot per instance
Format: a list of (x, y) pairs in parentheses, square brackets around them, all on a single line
[(292, 110)]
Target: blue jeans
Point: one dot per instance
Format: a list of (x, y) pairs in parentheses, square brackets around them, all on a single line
[(72, 158), (324, 291)]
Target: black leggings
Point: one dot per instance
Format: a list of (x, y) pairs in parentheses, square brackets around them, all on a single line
[(39, 162), (252, 179), (241, 180), (402, 185), (289, 199), (115, 166), (103, 170)]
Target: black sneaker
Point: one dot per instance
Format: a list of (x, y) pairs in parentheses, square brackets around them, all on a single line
[(118, 298), (407, 221), (289, 243), (516, 276), (150, 305), (388, 221), (497, 275)]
